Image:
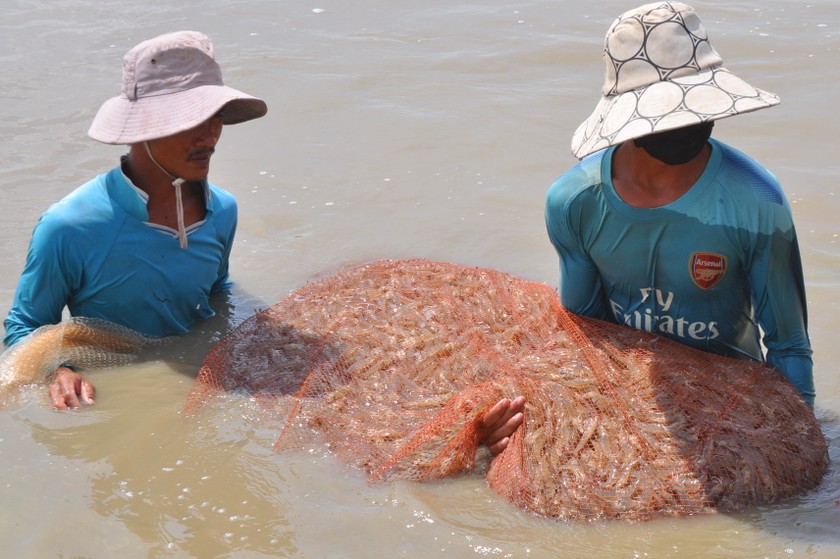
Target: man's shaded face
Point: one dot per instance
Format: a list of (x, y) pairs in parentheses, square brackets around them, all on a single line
[(678, 146), (187, 154)]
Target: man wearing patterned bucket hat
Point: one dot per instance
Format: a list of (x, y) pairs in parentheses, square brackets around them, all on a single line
[(145, 244), (664, 229)]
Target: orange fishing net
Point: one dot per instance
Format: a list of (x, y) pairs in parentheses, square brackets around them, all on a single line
[(392, 364)]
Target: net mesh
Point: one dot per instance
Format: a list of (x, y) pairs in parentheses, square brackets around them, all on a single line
[(391, 365), (87, 343)]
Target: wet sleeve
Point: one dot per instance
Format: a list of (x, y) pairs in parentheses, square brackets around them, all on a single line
[(223, 282), (780, 303), (581, 289), (45, 285)]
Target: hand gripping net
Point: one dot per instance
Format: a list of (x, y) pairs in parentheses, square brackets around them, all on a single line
[(392, 364)]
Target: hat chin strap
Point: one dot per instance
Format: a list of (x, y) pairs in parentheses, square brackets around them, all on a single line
[(179, 203)]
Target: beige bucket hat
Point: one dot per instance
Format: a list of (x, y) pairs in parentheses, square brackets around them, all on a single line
[(662, 73), (170, 83)]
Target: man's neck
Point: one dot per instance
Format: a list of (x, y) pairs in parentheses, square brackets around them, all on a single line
[(147, 176), (161, 205), (645, 182)]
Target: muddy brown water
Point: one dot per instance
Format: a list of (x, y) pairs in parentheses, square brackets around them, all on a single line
[(395, 129)]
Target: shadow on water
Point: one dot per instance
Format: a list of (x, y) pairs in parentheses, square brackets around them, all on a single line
[(186, 352), (811, 517), (267, 359)]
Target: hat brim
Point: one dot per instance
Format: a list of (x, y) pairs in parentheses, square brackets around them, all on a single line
[(122, 121), (711, 94)]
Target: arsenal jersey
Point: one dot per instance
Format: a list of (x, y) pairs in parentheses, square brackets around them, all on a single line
[(718, 269)]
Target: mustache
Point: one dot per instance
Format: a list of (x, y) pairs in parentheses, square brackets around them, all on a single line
[(202, 153)]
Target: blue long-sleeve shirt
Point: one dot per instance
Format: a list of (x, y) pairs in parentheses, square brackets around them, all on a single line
[(718, 269), (95, 253)]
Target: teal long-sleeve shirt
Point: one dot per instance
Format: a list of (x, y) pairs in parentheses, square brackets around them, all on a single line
[(718, 269), (95, 253)]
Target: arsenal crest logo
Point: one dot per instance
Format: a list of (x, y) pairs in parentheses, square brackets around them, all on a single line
[(706, 269)]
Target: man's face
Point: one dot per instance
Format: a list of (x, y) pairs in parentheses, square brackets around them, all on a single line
[(187, 154), (677, 146)]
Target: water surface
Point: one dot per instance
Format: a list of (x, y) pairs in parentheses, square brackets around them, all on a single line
[(395, 129)]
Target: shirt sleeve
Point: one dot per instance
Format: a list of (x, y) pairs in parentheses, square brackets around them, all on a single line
[(780, 303), (223, 282), (581, 290), (45, 284)]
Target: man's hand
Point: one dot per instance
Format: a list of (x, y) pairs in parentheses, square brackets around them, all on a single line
[(500, 422), (69, 388)]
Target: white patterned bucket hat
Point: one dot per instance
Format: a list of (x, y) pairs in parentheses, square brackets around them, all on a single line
[(170, 83), (662, 73)]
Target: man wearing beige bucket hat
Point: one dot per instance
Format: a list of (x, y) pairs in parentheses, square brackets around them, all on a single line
[(664, 229), (145, 244)]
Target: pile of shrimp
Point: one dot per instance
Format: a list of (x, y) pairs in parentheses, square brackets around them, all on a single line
[(392, 364)]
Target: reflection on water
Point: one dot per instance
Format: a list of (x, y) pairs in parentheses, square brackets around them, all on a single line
[(403, 129)]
